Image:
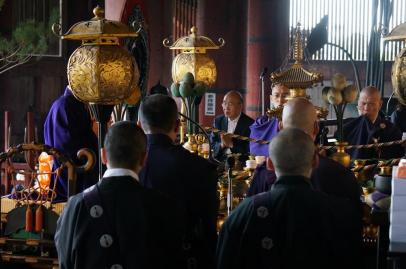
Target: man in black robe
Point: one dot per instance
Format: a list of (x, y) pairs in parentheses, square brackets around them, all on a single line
[(234, 121), (187, 178), (287, 227), (117, 223), (329, 177), (370, 127)]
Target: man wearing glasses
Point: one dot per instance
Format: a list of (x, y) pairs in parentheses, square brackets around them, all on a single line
[(234, 121)]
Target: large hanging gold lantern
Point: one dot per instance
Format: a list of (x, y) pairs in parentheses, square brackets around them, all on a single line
[(101, 71), (193, 57), (399, 65)]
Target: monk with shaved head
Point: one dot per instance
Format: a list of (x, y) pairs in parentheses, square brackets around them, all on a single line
[(371, 127), (265, 127), (285, 227), (328, 176)]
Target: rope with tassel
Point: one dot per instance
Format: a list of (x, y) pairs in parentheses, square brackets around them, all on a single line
[(264, 142)]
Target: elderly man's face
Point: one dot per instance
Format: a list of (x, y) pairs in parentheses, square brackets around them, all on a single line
[(369, 105), (278, 96), (232, 106)]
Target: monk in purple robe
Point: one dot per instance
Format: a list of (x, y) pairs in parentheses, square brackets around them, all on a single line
[(68, 128), (265, 128)]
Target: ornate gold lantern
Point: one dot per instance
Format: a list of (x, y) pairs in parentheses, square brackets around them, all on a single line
[(399, 65), (101, 71), (296, 78), (193, 57)]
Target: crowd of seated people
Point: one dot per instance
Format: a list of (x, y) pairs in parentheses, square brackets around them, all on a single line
[(157, 204)]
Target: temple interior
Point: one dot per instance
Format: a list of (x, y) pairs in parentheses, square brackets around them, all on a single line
[(203, 134)]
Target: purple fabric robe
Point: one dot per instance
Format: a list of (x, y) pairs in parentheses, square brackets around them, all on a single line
[(265, 129), (68, 128)]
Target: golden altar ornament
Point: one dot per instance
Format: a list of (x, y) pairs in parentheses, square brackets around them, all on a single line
[(341, 156), (101, 71), (295, 77), (399, 65), (193, 57)]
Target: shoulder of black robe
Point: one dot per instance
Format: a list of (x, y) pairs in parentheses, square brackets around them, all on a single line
[(262, 180), (344, 193), (220, 122), (361, 131), (229, 249), (146, 226), (242, 128), (190, 180), (302, 229), (398, 118), (333, 178)]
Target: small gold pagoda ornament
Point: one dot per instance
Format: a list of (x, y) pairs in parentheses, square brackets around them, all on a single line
[(296, 78), (101, 71), (399, 65), (193, 57)]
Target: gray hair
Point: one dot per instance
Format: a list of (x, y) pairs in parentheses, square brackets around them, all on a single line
[(292, 152)]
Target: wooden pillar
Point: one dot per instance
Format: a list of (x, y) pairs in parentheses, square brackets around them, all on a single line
[(259, 51), (217, 19)]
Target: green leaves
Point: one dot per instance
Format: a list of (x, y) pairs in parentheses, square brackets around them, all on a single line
[(29, 37)]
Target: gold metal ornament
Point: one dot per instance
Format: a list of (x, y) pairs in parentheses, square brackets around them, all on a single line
[(341, 156), (193, 57), (296, 78), (101, 71), (399, 65)]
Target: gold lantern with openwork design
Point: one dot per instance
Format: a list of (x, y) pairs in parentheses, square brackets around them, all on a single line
[(193, 57), (399, 65), (101, 71)]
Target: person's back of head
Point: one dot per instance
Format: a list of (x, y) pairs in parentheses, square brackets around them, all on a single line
[(158, 114), (158, 89), (292, 152), (300, 113), (125, 145)]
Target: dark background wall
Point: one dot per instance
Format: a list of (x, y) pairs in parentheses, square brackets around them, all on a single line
[(255, 31)]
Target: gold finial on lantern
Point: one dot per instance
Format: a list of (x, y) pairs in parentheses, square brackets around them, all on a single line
[(298, 47), (193, 57), (98, 12)]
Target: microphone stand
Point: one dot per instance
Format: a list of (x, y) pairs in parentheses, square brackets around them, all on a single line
[(229, 191), (262, 77), (229, 164)]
